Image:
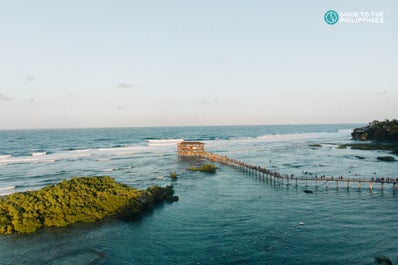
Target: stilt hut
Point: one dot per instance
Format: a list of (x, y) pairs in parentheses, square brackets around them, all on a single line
[(191, 149)]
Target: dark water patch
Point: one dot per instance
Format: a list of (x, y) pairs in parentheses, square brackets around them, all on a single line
[(123, 158), (105, 139)]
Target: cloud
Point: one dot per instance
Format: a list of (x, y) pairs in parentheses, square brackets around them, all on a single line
[(125, 85), (121, 107), (213, 101), (383, 93), (30, 78), (5, 98), (219, 59)]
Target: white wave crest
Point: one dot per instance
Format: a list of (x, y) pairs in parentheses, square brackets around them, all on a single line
[(345, 130), (39, 153), (80, 150), (104, 160), (46, 161), (4, 157), (7, 188), (296, 136), (164, 142)]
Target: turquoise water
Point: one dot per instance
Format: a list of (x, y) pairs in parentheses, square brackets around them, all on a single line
[(225, 218)]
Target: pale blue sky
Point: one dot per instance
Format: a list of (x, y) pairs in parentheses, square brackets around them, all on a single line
[(170, 63)]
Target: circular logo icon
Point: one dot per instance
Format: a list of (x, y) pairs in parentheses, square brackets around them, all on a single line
[(331, 17)]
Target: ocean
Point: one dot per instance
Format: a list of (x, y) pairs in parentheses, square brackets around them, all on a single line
[(230, 217)]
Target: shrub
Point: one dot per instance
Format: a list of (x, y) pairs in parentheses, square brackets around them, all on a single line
[(193, 169), (208, 168)]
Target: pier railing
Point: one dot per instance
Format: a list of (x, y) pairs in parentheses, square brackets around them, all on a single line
[(286, 179)]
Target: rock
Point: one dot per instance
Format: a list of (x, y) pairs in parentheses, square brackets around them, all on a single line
[(386, 158)]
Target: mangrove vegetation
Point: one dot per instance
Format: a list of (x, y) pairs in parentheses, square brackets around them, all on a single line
[(80, 199)]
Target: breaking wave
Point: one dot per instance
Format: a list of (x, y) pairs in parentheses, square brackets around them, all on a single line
[(38, 153), (164, 142)]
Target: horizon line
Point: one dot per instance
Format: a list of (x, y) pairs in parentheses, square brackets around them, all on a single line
[(177, 126)]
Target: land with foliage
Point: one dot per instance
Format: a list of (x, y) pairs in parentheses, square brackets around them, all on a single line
[(380, 131), (382, 135), (209, 168), (80, 199)]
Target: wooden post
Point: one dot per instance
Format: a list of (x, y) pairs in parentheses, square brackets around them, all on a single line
[(382, 185), (337, 184), (296, 182), (348, 184), (359, 184), (327, 183), (370, 186)]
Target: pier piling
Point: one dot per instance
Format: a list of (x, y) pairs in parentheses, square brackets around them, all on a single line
[(194, 150)]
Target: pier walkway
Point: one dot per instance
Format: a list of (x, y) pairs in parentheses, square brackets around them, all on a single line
[(285, 179)]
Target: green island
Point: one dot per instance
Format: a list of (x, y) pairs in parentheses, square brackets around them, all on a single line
[(79, 199), (381, 135), (209, 168)]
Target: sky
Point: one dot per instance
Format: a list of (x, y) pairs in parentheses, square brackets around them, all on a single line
[(127, 63)]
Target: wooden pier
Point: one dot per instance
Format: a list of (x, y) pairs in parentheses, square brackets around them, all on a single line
[(283, 179)]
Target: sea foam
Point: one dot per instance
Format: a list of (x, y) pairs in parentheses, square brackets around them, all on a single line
[(7, 188), (39, 153), (163, 142)]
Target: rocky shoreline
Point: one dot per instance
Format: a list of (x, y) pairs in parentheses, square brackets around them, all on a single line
[(380, 131), (379, 135)]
